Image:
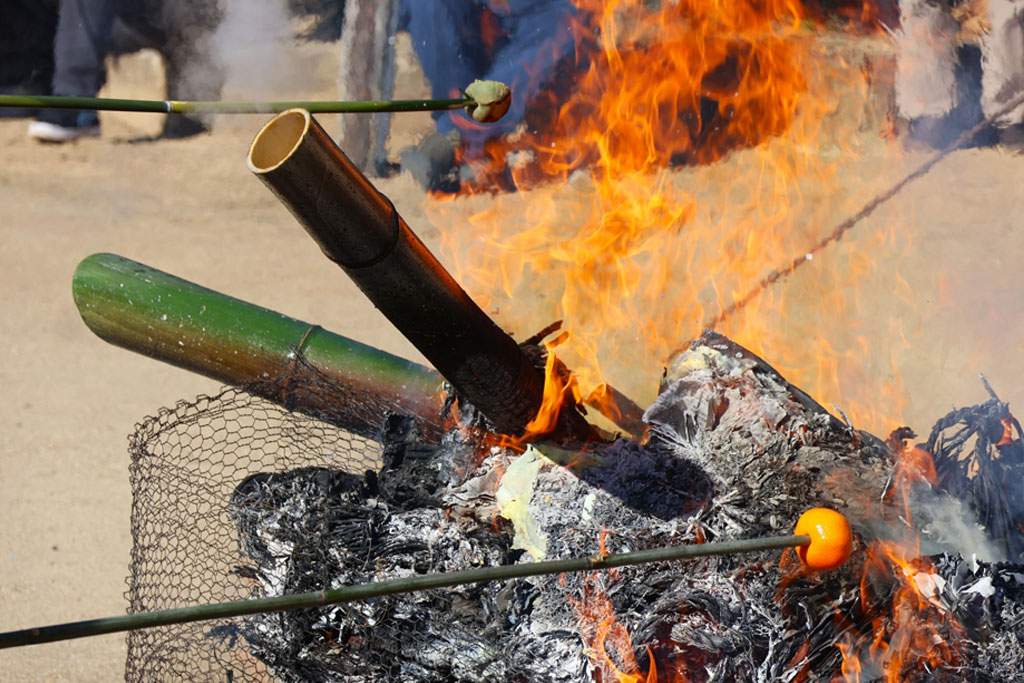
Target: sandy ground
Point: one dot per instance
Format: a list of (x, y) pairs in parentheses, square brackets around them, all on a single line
[(191, 208)]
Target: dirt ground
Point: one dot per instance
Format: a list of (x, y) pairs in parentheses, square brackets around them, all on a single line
[(191, 208)]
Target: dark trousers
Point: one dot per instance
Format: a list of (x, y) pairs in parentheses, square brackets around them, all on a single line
[(519, 43), (79, 50)]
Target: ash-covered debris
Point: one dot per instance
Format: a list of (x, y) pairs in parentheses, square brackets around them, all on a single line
[(279, 515), (733, 452), (313, 529), (988, 603), (316, 539), (979, 458), (770, 450)]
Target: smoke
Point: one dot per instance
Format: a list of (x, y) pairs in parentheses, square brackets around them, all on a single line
[(938, 523), (947, 525), (252, 46)]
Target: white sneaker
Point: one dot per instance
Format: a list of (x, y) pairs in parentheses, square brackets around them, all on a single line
[(51, 132)]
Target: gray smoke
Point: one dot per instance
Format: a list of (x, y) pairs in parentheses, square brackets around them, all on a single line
[(252, 44), (947, 525)]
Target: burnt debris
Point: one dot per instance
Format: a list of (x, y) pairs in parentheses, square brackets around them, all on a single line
[(733, 451), (237, 497)]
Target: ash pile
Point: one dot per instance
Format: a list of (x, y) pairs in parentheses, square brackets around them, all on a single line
[(731, 451)]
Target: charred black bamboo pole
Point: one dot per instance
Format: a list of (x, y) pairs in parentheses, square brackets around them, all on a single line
[(365, 591), (162, 316), (359, 229)]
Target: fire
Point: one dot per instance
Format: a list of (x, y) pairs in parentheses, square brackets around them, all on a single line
[(913, 465), (702, 62), (916, 465), (910, 635), (899, 594), (559, 386), (1007, 438), (606, 637), (701, 146), (624, 228)]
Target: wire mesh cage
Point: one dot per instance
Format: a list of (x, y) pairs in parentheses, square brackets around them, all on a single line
[(187, 466)]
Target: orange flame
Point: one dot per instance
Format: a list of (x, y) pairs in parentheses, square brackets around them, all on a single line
[(1007, 437), (651, 78), (910, 628), (916, 464), (913, 465), (595, 616), (560, 389), (909, 636), (624, 229)]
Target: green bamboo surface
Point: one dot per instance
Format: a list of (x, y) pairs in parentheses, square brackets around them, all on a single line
[(94, 627), (185, 107), (162, 316)]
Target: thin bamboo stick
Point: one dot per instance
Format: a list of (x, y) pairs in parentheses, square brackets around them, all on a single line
[(186, 107), (94, 627)]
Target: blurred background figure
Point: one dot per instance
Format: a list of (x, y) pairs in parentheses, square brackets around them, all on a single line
[(80, 47), (26, 49), (959, 63), (87, 31), (518, 42)]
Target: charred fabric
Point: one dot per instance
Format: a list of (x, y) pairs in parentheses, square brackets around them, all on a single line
[(729, 450), (733, 451)]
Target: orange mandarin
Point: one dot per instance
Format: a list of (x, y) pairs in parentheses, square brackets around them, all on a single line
[(831, 539)]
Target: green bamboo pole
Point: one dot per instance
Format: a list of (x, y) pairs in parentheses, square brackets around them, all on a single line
[(95, 627), (159, 315), (184, 107)]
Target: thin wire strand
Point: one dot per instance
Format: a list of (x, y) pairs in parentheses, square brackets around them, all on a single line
[(841, 229)]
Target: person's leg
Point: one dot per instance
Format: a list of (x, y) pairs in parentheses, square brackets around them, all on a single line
[(455, 40), (1002, 61), (80, 47), (446, 35), (447, 38), (192, 73), (926, 65), (539, 38)]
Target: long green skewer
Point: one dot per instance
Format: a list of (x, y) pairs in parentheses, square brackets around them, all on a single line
[(184, 107), (181, 615)]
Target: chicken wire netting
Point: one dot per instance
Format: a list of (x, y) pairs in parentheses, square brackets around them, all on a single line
[(187, 466)]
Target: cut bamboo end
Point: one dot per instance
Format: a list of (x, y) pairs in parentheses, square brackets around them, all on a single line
[(278, 140)]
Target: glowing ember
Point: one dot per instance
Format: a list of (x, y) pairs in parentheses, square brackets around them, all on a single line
[(1007, 437)]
